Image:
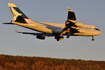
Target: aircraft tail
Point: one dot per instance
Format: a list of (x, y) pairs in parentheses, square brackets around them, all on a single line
[(17, 14)]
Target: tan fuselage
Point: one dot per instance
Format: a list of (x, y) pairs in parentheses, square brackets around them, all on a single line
[(45, 27)]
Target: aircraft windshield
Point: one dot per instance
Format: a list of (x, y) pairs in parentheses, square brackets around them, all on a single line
[(96, 29)]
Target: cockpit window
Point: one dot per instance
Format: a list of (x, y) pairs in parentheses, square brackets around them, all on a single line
[(96, 29)]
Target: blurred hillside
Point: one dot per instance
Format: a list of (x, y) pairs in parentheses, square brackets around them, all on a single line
[(8, 62)]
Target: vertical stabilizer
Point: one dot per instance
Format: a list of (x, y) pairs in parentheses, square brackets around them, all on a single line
[(16, 11)]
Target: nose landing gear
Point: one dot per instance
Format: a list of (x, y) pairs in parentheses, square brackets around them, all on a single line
[(92, 38)]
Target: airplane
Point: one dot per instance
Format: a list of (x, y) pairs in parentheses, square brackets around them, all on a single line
[(71, 27)]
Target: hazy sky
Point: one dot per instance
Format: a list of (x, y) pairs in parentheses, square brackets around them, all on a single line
[(90, 12)]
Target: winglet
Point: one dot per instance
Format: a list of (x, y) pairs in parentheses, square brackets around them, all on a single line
[(71, 14), (16, 31), (69, 9)]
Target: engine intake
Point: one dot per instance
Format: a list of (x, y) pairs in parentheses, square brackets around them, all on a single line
[(42, 37)]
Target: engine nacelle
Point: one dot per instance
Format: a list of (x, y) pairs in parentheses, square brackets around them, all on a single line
[(79, 24), (42, 37), (81, 30)]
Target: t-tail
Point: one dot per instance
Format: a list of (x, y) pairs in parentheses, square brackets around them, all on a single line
[(17, 14)]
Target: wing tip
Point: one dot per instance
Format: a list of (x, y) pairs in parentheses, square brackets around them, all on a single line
[(16, 31), (69, 9)]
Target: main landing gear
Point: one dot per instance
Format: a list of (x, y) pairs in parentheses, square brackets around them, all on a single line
[(92, 38), (59, 38), (68, 36)]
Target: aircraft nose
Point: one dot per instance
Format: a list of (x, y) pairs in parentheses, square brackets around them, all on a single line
[(99, 32)]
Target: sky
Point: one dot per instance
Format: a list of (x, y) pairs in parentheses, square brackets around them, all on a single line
[(91, 12)]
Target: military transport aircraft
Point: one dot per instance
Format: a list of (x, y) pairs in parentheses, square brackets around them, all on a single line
[(58, 31)]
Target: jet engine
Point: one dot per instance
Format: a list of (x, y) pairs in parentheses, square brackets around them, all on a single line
[(42, 37), (78, 24)]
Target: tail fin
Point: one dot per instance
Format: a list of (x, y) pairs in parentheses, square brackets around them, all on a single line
[(16, 11)]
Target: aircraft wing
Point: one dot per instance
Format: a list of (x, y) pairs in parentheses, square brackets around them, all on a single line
[(71, 25), (35, 33)]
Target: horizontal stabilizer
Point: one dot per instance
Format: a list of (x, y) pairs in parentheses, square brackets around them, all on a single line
[(9, 23)]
